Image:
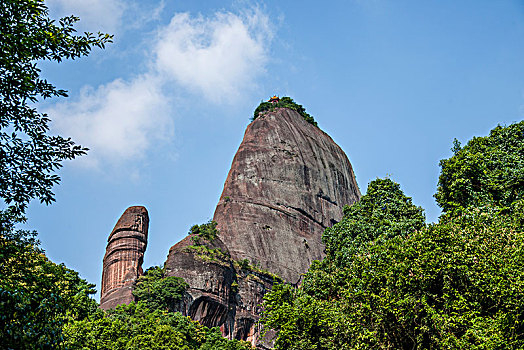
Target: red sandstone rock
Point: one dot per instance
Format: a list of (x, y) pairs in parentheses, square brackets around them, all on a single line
[(123, 259), (221, 293), (209, 277), (288, 182)]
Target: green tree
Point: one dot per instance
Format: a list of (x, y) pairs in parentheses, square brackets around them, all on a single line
[(311, 317), (382, 213), (389, 282), (452, 285), (36, 296), (207, 232), (159, 292), (486, 171), (29, 156)]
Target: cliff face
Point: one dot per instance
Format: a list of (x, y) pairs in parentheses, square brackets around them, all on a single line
[(288, 182), (210, 274), (222, 293), (123, 259)]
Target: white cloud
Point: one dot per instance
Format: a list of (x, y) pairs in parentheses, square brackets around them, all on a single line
[(95, 15), (213, 57), (118, 121), (219, 56)]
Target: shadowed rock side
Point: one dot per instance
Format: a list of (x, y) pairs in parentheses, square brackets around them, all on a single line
[(288, 182), (221, 293), (209, 273), (123, 259)]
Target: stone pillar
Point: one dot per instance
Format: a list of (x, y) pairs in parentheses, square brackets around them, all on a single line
[(124, 256)]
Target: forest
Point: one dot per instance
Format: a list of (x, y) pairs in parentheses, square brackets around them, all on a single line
[(391, 281)]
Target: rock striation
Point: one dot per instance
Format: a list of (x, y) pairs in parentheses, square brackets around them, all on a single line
[(288, 182), (222, 292), (123, 259)]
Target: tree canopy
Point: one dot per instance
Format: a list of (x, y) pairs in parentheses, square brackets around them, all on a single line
[(207, 232), (382, 213), (37, 296), (136, 327), (158, 291), (486, 171)]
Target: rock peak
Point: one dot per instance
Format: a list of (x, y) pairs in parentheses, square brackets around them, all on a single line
[(287, 183), (123, 259)]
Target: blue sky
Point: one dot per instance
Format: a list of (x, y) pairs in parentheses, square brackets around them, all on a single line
[(164, 108)]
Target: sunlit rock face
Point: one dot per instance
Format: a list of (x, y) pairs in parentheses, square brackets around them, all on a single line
[(123, 259), (288, 182)]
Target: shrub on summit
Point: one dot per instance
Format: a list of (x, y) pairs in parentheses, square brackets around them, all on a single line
[(284, 102)]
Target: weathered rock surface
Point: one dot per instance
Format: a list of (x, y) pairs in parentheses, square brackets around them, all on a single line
[(123, 259), (209, 272), (288, 182), (221, 293)]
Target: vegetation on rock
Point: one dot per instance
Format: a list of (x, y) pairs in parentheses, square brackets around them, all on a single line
[(389, 281), (158, 291), (207, 232), (245, 265), (284, 102), (203, 236), (205, 253)]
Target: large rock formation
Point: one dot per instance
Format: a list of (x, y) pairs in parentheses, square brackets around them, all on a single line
[(288, 182), (123, 259)]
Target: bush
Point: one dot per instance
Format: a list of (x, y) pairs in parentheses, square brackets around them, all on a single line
[(487, 171), (134, 327), (207, 231), (284, 102), (159, 292)]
